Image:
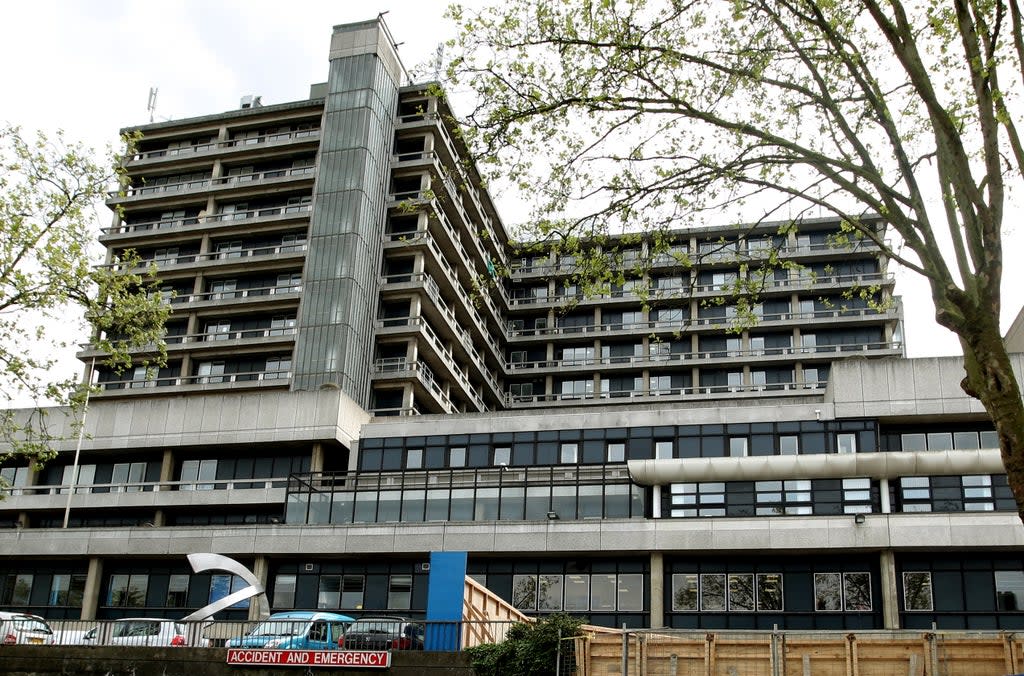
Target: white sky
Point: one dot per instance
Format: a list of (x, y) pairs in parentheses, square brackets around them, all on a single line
[(86, 66)]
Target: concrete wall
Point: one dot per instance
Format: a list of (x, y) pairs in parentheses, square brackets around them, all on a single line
[(903, 387), (120, 661), (958, 530), (233, 418)]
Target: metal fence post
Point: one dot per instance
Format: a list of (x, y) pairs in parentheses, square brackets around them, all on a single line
[(558, 655), (625, 651), (776, 654)]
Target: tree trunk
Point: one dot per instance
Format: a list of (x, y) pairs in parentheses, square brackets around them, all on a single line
[(991, 380)]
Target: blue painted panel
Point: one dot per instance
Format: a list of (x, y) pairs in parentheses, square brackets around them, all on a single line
[(445, 589)]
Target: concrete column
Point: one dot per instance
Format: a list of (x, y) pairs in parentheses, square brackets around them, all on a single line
[(655, 502), (316, 461), (209, 210), (261, 569), (91, 594), (890, 599), (657, 590), (883, 494), (166, 467)]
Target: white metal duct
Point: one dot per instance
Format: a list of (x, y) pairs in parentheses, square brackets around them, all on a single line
[(825, 466)]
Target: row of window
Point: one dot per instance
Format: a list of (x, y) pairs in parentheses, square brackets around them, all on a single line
[(122, 590), (971, 493), (769, 498), (65, 589), (493, 503), (611, 445), (618, 444), (709, 346), (804, 241), (594, 592), (673, 317), (580, 591), (342, 591)]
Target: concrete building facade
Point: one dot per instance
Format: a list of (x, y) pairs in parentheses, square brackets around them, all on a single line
[(365, 368)]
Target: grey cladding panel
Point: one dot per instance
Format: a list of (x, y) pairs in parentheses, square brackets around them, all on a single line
[(335, 338)]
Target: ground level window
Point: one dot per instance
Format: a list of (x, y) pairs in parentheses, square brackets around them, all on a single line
[(128, 590), (685, 592), (734, 592), (177, 591), (67, 590), (400, 592), (602, 592), (284, 592), (917, 591), (1009, 590), (837, 592), (579, 593), (17, 589), (524, 592), (352, 588)]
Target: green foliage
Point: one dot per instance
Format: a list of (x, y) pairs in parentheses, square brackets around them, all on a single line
[(49, 193), (653, 115), (528, 649)]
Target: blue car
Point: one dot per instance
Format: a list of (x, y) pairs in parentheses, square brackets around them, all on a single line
[(296, 630)]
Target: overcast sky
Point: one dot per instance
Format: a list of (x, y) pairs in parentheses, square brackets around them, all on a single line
[(87, 66)]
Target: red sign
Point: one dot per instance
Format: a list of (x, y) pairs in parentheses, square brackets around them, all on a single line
[(366, 659)]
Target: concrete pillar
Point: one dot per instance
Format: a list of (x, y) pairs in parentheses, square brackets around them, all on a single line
[(655, 502), (316, 461), (890, 599), (883, 494), (261, 569), (166, 467), (657, 590), (93, 584)]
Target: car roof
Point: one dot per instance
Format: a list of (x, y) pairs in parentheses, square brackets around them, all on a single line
[(7, 615), (310, 615)]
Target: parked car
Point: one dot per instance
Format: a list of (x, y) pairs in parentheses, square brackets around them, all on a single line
[(24, 629), (383, 633), (133, 631), (296, 630), (78, 636)]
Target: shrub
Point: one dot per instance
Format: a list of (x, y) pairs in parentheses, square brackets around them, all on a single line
[(528, 649)]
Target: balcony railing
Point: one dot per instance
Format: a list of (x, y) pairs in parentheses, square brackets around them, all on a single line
[(236, 293), (705, 355), (167, 224), (402, 367), (256, 378), (678, 323), (202, 148), (182, 259), (211, 183), (666, 393), (216, 336)]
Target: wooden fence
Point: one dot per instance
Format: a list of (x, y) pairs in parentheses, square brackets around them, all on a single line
[(903, 653)]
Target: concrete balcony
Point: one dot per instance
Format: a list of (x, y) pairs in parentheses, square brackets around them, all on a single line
[(244, 221)]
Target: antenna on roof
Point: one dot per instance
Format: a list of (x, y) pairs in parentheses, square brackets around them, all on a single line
[(151, 105), (438, 61)]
